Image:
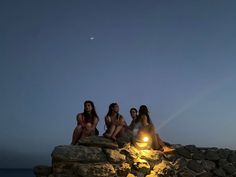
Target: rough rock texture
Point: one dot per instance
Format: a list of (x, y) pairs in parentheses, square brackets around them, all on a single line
[(100, 157)]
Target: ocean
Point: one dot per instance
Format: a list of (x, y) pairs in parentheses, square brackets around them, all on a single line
[(16, 173)]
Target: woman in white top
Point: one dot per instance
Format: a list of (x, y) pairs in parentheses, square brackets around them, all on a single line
[(144, 125)]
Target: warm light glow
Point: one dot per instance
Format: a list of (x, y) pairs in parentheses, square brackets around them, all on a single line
[(145, 139)]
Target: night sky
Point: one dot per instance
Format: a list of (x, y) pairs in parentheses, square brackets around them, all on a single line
[(177, 57)]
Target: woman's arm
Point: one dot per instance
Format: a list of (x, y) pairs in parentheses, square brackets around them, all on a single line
[(95, 122), (79, 119), (122, 121), (107, 121)]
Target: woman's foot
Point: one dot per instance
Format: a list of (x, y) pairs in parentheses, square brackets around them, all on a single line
[(113, 138), (167, 149)]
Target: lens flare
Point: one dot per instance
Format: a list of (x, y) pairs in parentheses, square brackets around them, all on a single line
[(145, 139)]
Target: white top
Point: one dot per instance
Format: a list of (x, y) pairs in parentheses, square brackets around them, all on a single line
[(137, 126)]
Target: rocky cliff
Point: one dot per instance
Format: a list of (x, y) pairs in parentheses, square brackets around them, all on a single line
[(100, 157)]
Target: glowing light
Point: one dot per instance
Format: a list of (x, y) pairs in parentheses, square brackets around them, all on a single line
[(145, 139)]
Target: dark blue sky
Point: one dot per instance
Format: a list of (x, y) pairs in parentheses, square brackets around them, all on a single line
[(177, 57)]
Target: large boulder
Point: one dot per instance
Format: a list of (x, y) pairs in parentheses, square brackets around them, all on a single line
[(98, 141), (82, 154), (100, 157)]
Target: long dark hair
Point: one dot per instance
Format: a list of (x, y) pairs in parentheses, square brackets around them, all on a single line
[(93, 112), (111, 106), (143, 110), (134, 109)]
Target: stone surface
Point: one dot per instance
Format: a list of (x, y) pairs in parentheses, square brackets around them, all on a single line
[(193, 165), (114, 156), (100, 157), (123, 170), (223, 153), (212, 155), (183, 152), (180, 163), (98, 141), (78, 153), (219, 172), (191, 148), (232, 158), (198, 155), (164, 168), (205, 174), (229, 169), (185, 173), (208, 165), (95, 170), (222, 162)]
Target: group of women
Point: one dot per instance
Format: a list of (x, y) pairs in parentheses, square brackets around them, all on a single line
[(116, 125)]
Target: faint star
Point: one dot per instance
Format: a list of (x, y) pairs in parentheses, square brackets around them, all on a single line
[(92, 38)]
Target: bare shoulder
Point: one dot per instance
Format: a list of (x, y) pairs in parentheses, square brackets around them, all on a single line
[(79, 116)]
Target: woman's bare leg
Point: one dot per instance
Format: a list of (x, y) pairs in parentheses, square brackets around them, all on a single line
[(116, 131), (76, 135), (162, 144), (110, 131)]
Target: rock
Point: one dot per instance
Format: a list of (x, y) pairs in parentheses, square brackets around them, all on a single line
[(141, 166), (212, 155), (63, 167), (131, 175), (193, 165), (151, 175), (100, 157), (205, 174), (180, 163), (223, 153), (229, 169), (78, 154), (234, 164), (171, 157), (95, 170), (208, 165), (114, 156), (64, 175), (222, 162), (232, 158), (185, 173), (191, 148), (150, 155), (164, 168), (183, 152), (219, 172), (198, 155), (98, 141), (42, 170), (126, 138), (123, 170)]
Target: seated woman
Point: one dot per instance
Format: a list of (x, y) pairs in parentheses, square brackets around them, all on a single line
[(86, 122), (115, 122), (134, 115), (143, 124)]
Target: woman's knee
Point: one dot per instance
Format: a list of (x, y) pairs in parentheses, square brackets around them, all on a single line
[(78, 128)]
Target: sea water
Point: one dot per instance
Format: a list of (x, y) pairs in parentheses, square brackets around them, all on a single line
[(16, 173)]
